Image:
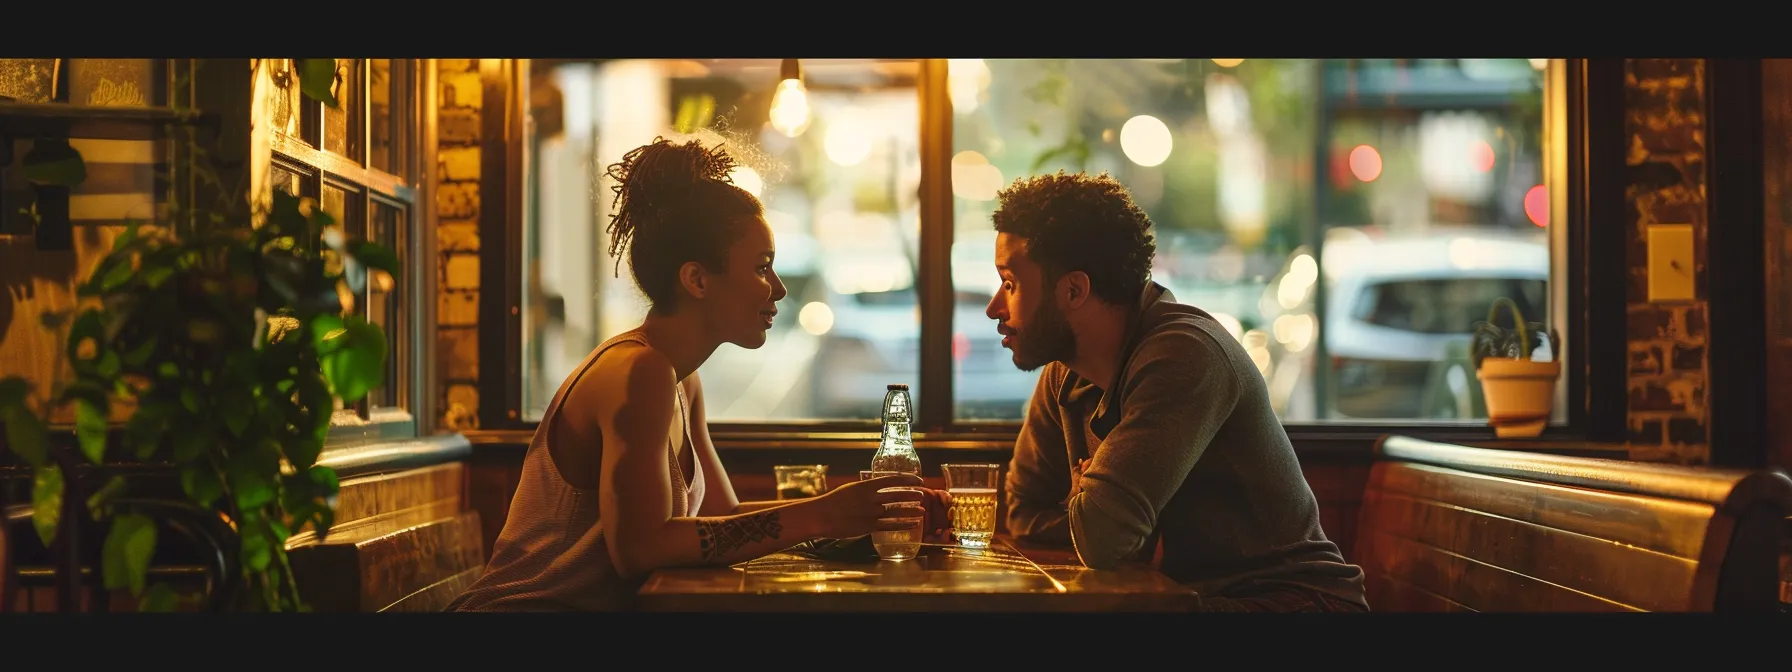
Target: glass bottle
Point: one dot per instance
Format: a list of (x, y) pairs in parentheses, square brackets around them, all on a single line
[(895, 448)]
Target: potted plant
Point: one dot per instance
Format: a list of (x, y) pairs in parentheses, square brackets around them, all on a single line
[(227, 338), (1519, 388)]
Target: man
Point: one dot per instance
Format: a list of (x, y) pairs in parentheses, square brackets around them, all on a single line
[(1149, 420)]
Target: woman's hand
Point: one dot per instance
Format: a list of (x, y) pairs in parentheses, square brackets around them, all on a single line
[(859, 508)]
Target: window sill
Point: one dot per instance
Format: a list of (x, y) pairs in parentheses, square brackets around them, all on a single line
[(1345, 441), (354, 447), (383, 442), (385, 456)]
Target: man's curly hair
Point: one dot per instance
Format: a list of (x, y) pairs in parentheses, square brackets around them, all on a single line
[(1078, 222)]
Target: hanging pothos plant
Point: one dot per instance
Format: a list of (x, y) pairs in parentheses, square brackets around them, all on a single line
[(230, 343)]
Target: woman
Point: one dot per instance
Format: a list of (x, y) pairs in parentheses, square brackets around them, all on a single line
[(621, 477)]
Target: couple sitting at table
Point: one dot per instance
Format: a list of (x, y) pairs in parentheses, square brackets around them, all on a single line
[(1149, 420)]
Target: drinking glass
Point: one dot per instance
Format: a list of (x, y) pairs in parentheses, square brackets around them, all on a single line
[(895, 544), (801, 481), (973, 488)]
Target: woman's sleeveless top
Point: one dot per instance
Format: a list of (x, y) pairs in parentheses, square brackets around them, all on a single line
[(552, 554)]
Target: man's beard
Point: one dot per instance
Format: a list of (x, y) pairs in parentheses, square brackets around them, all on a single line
[(1047, 339)]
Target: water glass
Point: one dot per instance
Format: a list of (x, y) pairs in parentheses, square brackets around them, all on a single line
[(895, 544), (801, 481), (973, 488)]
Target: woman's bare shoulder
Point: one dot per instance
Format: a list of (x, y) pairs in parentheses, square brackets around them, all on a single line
[(624, 377)]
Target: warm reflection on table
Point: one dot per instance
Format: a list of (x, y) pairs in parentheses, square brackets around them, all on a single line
[(942, 578)]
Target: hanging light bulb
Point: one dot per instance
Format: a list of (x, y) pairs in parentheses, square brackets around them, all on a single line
[(790, 103)]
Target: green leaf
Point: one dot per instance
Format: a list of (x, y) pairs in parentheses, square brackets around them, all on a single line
[(241, 365), (143, 432), (201, 484), (160, 599), (257, 553), (316, 77), (189, 399), (250, 475), (52, 161), (326, 332), (89, 325), (356, 359), (100, 502), (46, 501), (325, 480), (139, 354), (116, 276), (321, 521), (125, 239), (125, 555), (90, 429), (238, 410), (374, 255), (191, 441), (280, 531), (302, 451), (25, 434), (154, 277), (285, 216), (314, 394)]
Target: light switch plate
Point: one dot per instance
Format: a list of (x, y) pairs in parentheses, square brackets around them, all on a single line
[(1670, 262)]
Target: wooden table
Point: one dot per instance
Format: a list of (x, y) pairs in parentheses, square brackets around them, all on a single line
[(943, 578)]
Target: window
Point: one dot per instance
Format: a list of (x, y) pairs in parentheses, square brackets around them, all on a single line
[(840, 194), (355, 161), (1349, 220)]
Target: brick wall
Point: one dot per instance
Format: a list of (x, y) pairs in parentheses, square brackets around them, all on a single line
[(457, 209), (1665, 119)]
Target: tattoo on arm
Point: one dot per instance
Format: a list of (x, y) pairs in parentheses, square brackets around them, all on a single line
[(718, 539)]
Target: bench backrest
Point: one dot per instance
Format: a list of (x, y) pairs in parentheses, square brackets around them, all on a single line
[(1454, 528)]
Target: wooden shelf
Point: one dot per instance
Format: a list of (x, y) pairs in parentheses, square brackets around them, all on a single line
[(86, 121)]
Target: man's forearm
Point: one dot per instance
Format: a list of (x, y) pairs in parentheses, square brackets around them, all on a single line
[(1045, 525)]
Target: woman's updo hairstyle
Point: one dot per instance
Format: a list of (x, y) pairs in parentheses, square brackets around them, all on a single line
[(675, 203)]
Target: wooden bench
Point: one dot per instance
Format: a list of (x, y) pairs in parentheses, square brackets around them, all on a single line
[(404, 539), (1453, 528)]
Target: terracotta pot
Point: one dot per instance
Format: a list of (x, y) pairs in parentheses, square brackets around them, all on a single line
[(1520, 395)]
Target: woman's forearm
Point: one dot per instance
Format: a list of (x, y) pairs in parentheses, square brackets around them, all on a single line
[(749, 507), (717, 540)]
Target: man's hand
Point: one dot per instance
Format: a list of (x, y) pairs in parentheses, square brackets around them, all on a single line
[(938, 523)]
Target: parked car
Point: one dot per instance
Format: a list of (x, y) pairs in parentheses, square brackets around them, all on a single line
[(875, 340), (1400, 312)]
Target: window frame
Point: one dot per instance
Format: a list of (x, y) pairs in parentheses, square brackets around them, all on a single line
[(412, 124), (1583, 115)]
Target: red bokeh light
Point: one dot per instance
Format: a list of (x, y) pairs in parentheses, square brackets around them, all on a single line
[(1536, 205), (1480, 155), (1365, 163)]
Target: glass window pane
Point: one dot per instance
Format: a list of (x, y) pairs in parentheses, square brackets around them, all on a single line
[(384, 300), (342, 124), (841, 197), (380, 96), (1420, 180)]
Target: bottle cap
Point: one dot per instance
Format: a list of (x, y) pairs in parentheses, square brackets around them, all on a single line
[(898, 386)]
